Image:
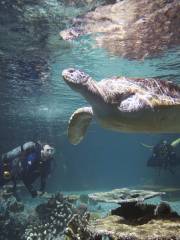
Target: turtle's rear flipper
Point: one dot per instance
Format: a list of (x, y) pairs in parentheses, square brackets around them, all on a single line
[(79, 123)]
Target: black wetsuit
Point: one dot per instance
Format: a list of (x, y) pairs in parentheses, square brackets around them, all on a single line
[(34, 167), (26, 165), (163, 157)]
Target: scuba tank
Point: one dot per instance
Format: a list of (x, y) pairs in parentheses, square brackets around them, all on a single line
[(14, 155), (16, 152)]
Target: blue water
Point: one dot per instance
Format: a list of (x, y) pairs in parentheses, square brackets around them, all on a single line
[(36, 106)]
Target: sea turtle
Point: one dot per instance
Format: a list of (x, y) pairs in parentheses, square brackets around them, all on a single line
[(124, 104)]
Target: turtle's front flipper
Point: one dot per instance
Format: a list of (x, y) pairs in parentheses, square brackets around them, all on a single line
[(79, 123)]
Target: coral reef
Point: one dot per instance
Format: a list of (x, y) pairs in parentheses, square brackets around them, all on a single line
[(16, 207), (132, 29), (77, 228), (12, 218), (141, 213), (172, 192), (48, 221), (72, 198), (132, 208), (56, 218), (133, 220), (159, 222), (12, 226), (124, 195), (53, 217), (114, 228)]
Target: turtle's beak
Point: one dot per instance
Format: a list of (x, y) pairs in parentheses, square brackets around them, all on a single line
[(73, 76), (67, 75)]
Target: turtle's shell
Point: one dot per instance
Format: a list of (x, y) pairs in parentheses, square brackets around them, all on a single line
[(155, 91)]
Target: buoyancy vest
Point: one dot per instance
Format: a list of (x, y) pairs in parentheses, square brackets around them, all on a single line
[(16, 152), (30, 159), (11, 161)]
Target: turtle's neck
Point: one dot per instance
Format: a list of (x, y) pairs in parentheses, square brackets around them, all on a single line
[(91, 92)]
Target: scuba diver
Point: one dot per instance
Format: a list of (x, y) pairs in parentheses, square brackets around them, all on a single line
[(27, 163), (164, 156)]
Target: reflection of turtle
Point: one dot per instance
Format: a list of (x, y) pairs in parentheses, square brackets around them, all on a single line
[(124, 104), (165, 156)]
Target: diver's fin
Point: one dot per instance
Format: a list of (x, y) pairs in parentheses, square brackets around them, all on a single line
[(78, 124), (175, 142), (147, 146)]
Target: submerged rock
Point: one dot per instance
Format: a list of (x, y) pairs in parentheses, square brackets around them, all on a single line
[(132, 208), (132, 29), (141, 213)]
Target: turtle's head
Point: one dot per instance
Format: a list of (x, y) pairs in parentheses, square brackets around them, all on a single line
[(82, 83), (75, 78)]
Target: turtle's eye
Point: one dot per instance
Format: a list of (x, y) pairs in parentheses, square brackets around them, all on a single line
[(71, 71)]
